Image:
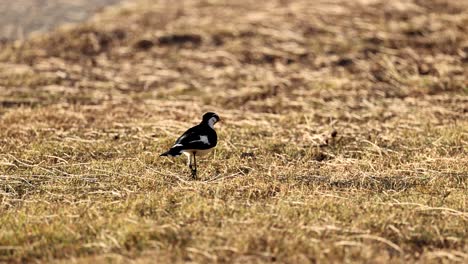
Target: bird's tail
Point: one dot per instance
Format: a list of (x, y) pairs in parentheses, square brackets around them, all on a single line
[(173, 152), (165, 154)]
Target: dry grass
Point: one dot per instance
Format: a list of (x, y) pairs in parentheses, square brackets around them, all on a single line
[(84, 112)]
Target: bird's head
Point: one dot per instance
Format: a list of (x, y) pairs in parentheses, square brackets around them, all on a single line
[(210, 119)]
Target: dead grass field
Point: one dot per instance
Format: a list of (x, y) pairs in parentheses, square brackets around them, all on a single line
[(85, 111)]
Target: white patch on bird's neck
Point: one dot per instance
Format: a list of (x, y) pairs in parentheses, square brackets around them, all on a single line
[(204, 139), (211, 122)]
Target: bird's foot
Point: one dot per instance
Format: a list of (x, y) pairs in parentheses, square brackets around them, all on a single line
[(194, 174)]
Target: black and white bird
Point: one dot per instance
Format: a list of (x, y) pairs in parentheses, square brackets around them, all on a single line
[(197, 141)]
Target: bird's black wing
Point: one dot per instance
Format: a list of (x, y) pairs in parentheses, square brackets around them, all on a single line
[(189, 135), (197, 137)]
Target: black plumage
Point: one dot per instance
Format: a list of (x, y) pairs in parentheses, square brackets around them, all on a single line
[(192, 140), (196, 141)]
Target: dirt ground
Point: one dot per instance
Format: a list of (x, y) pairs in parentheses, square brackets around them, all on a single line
[(20, 18)]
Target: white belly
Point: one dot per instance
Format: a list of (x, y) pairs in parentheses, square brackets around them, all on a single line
[(197, 152)]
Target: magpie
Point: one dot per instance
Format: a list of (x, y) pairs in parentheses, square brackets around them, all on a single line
[(197, 141)]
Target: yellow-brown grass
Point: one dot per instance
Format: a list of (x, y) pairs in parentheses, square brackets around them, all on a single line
[(344, 135)]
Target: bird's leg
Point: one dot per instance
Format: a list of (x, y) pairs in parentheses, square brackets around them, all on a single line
[(189, 162), (194, 167)]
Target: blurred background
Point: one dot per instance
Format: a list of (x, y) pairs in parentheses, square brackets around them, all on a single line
[(20, 18)]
